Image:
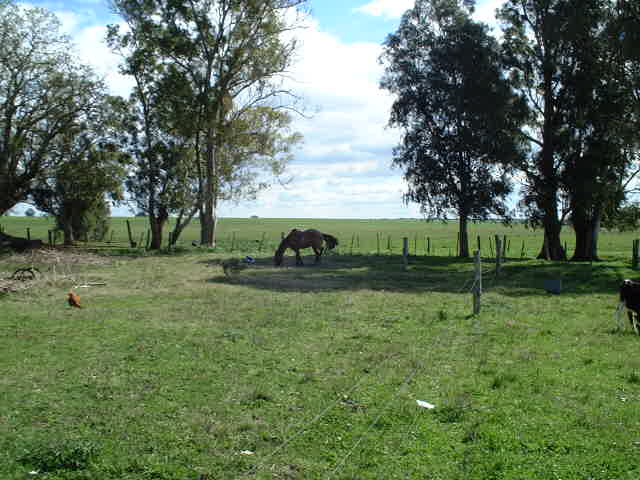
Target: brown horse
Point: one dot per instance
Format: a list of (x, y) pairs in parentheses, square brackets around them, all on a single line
[(298, 239)]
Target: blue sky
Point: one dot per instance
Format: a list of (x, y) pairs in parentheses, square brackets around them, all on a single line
[(343, 168)]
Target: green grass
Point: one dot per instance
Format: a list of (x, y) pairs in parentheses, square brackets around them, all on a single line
[(174, 371), (262, 235)]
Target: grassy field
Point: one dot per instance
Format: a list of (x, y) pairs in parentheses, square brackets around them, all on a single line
[(356, 236), (174, 371)]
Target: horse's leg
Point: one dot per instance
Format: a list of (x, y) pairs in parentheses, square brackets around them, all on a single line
[(298, 258), (318, 251)]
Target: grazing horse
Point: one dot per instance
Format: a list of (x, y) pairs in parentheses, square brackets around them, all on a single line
[(298, 239)]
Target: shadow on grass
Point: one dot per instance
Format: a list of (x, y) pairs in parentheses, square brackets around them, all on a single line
[(519, 277)]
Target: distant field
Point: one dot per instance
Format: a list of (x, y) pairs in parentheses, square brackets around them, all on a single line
[(355, 236)]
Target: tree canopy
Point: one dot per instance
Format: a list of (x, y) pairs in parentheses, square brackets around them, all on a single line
[(458, 114), (44, 92)]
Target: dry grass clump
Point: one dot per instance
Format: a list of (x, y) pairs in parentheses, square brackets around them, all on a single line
[(44, 267), (58, 256)]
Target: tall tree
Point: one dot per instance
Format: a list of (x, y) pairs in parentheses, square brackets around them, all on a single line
[(43, 92), (159, 183), (562, 58), (599, 133), (535, 48), (459, 116), (229, 56)]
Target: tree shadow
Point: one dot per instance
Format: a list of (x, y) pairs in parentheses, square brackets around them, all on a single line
[(574, 278), (518, 277)]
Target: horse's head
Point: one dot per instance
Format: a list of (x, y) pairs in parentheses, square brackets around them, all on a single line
[(277, 259)]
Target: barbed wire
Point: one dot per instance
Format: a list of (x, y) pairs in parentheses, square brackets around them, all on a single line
[(340, 464), (301, 431)]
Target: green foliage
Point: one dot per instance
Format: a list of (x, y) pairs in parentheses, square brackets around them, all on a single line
[(44, 93), (565, 57), (207, 74), (459, 116), (625, 219), (76, 195)]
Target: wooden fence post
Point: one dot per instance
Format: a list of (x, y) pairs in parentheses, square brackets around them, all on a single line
[(405, 251), (131, 241), (50, 237), (479, 248), (378, 241), (233, 241), (148, 240), (477, 290), (353, 239), (634, 254), (28, 233), (498, 255), (261, 243), (523, 252), (428, 245)]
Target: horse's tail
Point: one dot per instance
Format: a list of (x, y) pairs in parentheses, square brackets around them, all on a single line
[(331, 241)]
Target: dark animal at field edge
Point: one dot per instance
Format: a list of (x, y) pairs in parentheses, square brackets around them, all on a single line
[(300, 239), (630, 298)]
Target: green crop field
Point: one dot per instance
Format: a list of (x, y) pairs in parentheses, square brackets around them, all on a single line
[(355, 236), (174, 371)]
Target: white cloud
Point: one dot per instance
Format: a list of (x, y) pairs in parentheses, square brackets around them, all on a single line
[(486, 11), (386, 8), (343, 169), (393, 9), (93, 51)]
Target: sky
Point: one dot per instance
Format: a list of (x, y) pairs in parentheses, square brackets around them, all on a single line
[(343, 168)]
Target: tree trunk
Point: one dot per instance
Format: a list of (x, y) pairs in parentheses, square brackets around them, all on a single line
[(586, 230), (595, 229), (463, 251), (156, 224), (547, 183), (67, 232), (208, 217), (182, 222), (66, 222), (551, 246)]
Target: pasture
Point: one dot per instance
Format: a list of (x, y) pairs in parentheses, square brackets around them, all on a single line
[(174, 371)]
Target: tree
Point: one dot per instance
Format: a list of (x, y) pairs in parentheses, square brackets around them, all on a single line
[(562, 58), (625, 219), (160, 182), (223, 58), (459, 116), (76, 194), (30, 212), (43, 91), (534, 47), (88, 168)]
